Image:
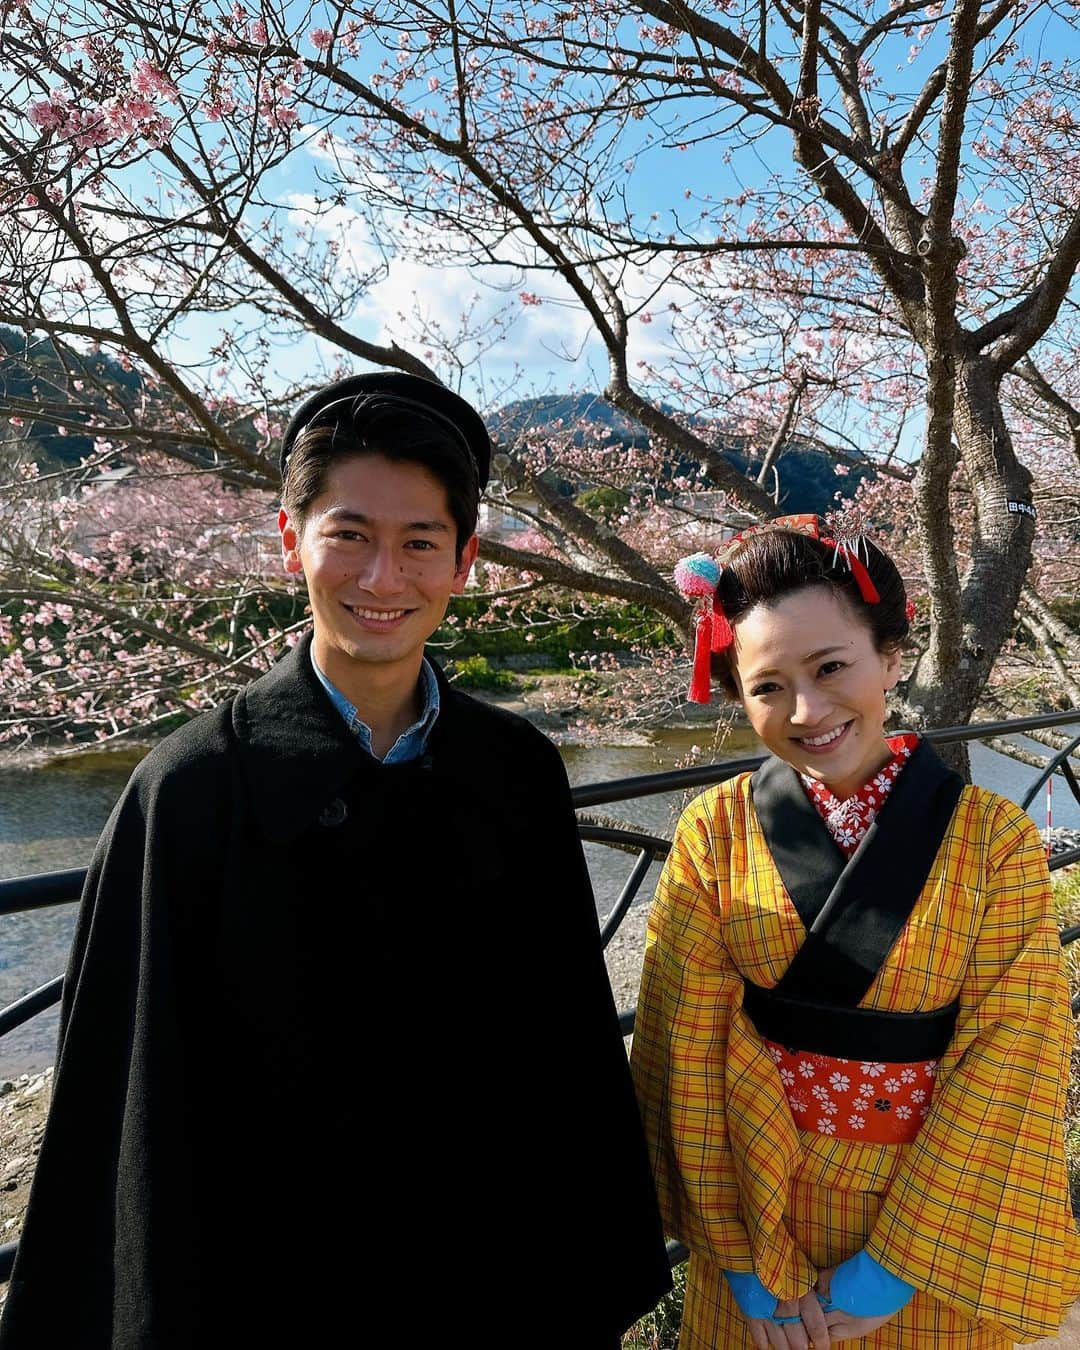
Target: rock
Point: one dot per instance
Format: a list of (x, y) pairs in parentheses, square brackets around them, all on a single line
[(6, 1086), (12, 1167), (1062, 840)]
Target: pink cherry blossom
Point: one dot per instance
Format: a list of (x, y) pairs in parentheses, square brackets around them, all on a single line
[(148, 78), (46, 114)]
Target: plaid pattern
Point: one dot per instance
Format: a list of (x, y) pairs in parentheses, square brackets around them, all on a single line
[(712, 1321), (974, 1212)]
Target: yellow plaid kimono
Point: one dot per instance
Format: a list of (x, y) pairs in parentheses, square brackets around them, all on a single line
[(974, 1212)]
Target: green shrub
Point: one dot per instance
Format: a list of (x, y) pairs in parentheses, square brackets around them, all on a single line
[(605, 502), (557, 633), (659, 1330), (474, 672)]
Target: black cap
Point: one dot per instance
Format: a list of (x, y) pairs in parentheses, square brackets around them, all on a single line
[(375, 389)]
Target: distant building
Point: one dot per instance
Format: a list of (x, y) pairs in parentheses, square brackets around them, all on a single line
[(714, 507), (498, 520)]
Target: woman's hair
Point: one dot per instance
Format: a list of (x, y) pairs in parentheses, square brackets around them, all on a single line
[(768, 566), (399, 435)]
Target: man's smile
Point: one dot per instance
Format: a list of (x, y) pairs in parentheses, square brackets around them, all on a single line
[(377, 617)]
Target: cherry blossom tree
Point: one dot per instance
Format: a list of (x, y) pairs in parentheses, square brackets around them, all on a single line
[(130, 604), (770, 223)]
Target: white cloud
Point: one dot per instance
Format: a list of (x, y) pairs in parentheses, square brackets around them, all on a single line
[(554, 343)]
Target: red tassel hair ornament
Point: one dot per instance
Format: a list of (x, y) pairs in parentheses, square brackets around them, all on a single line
[(701, 683), (697, 578), (723, 634)]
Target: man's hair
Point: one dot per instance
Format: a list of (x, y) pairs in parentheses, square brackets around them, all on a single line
[(398, 434), (769, 566)]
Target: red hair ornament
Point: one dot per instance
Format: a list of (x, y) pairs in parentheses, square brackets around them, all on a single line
[(856, 567)]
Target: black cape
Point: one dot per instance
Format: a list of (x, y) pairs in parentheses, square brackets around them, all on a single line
[(339, 1061)]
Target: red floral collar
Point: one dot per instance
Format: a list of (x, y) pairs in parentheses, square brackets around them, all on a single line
[(848, 820)]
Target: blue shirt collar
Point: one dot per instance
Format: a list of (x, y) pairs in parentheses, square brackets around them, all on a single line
[(412, 742)]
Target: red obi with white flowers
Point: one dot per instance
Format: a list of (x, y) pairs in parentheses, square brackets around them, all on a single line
[(853, 1099)]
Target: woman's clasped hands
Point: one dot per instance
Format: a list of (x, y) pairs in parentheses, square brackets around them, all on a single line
[(796, 1324), (866, 1297)]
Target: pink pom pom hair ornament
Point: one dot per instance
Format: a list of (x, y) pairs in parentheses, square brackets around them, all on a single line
[(698, 578), (697, 575)]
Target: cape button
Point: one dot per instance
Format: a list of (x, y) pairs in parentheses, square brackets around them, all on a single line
[(334, 813)]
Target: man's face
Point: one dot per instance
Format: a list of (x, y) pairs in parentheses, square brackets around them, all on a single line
[(377, 549)]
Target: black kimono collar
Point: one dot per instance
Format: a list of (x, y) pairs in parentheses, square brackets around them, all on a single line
[(853, 909), (297, 753)]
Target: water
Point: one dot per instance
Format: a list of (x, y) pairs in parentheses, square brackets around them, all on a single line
[(51, 817)]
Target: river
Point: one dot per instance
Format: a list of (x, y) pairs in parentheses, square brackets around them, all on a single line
[(50, 818)]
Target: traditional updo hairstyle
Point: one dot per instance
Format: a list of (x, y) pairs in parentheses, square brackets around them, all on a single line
[(765, 567)]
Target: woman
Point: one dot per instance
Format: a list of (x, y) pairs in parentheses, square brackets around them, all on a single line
[(852, 1038)]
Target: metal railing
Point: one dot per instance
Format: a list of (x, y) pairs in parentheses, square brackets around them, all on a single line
[(59, 888)]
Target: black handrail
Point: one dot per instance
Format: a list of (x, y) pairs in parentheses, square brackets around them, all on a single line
[(58, 888), (44, 996), (1060, 761), (41, 890)]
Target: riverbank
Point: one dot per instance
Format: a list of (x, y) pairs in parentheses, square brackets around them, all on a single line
[(24, 1104)]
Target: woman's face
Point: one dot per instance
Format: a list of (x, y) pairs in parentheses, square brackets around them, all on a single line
[(813, 685)]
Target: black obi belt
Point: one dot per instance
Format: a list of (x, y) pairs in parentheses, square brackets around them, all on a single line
[(849, 1033)]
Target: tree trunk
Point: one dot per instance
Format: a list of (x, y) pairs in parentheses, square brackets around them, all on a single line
[(944, 687)]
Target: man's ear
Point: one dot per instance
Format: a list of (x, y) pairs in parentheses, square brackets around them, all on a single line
[(290, 543), (464, 567)]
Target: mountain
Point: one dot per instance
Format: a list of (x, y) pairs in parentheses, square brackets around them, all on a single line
[(808, 477), (40, 374)]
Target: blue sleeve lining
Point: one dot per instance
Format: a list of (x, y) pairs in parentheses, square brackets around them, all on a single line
[(863, 1287), (860, 1286), (750, 1294)]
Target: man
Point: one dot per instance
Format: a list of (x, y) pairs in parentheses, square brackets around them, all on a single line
[(339, 1063)]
